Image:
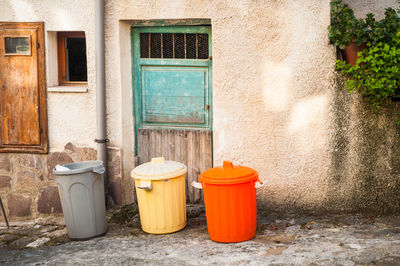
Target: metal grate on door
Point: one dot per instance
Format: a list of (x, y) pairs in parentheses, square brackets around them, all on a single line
[(174, 45)]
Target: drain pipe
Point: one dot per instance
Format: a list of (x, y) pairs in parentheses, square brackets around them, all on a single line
[(101, 89)]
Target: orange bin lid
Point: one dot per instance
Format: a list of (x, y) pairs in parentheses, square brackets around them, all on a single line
[(229, 174)]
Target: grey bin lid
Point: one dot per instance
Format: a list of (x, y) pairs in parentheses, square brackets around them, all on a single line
[(79, 168)]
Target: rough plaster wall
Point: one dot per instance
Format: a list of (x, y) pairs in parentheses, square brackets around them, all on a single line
[(377, 7), (278, 106), (272, 84), (71, 115)]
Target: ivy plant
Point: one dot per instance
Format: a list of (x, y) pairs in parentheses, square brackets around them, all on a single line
[(376, 75), (345, 27)]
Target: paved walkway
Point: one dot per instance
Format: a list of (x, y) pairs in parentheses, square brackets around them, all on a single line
[(333, 240)]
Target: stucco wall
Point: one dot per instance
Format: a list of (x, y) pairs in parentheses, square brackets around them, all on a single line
[(272, 87), (278, 105)]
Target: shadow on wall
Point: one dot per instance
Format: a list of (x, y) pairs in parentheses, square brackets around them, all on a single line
[(364, 174), (365, 170)]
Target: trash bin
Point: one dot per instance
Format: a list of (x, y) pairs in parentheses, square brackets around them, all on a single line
[(81, 190), (160, 189), (230, 202)]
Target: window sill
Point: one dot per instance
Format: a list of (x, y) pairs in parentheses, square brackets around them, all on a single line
[(69, 88)]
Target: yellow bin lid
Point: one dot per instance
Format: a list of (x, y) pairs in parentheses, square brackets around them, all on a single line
[(159, 169)]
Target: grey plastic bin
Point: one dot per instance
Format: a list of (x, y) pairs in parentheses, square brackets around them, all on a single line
[(81, 189)]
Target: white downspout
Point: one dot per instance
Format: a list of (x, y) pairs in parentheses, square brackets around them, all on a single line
[(101, 89)]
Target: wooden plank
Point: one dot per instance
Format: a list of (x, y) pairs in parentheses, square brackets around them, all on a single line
[(165, 144), (42, 89), (171, 145), (193, 170), (158, 143), (143, 145), (61, 58), (205, 152), (171, 22), (180, 153), (152, 143)]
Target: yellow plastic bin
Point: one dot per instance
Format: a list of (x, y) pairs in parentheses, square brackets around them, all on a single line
[(160, 189)]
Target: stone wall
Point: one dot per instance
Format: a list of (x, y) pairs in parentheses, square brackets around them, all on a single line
[(28, 186)]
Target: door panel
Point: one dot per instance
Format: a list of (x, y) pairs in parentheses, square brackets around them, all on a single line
[(19, 81), (23, 108), (172, 89), (174, 94)]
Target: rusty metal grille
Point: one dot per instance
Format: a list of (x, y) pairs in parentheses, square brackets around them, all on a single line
[(191, 49), (202, 46), (179, 45), (174, 45), (144, 45), (155, 45), (168, 45)]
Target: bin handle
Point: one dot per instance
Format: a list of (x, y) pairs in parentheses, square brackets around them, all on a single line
[(259, 183), (146, 185), (99, 169), (197, 185)]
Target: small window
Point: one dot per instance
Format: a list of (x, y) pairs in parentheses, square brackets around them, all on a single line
[(72, 64), (17, 45)]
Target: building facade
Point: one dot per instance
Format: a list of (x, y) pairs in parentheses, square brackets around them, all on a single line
[(199, 81)]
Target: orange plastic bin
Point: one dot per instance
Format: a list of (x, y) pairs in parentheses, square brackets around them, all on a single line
[(230, 202)]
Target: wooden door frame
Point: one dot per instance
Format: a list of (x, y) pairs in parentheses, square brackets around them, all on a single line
[(42, 92), (163, 27)]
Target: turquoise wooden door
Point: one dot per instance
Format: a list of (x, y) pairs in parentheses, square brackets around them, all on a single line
[(172, 96), (172, 76)]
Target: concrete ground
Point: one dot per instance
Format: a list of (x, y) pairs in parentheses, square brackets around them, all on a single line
[(294, 240)]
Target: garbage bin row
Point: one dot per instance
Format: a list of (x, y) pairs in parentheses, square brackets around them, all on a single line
[(229, 198)]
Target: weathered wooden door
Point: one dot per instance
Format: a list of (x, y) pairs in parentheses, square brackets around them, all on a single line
[(173, 107), (22, 88)]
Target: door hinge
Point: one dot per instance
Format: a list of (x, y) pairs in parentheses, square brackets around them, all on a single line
[(40, 130), (37, 45), (207, 107)]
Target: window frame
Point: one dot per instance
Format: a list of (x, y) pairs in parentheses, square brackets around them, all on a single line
[(19, 54), (62, 71)]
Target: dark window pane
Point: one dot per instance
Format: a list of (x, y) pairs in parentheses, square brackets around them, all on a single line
[(202, 46), (179, 45), (17, 45), (76, 59), (168, 45), (144, 45), (155, 45), (191, 46)]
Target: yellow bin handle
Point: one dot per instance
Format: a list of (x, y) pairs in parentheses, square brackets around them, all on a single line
[(145, 184)]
